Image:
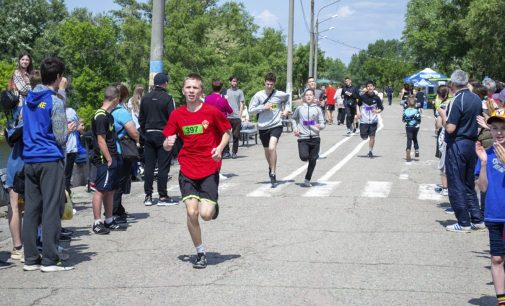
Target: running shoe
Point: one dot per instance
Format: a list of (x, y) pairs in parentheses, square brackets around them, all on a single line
[(168, 201), (370, 154), (31, 267), (120, 219), (458, 228), (273, 180), (55, 268), (114, 226), (66, 232), (201, 261), (226, 155), (416, 154), (234, 155), (348, 132), (478, 226), (216, 213), (449, 211), (148, 201), (438, 188), (444, 192), (100, 229), (18, 254), (306, 183)]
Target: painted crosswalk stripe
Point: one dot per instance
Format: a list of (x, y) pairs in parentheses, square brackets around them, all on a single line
[(321, 189), (225, 186), (404, 176), (427, 192), (374, 189)]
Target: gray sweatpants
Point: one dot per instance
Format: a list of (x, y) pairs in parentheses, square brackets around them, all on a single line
[(44, 204)]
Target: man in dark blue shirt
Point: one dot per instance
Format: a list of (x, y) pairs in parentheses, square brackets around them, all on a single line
[(460, 135)]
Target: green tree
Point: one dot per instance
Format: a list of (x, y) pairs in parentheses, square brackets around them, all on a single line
[(486, 37), (22, 21)]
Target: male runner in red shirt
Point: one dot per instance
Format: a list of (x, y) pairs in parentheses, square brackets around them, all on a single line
[(204, 131)]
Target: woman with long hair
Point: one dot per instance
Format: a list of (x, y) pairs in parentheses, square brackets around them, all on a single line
[(134, 103), (19, 83)]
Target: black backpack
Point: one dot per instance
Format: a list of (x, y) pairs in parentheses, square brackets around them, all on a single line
[(9, 99)]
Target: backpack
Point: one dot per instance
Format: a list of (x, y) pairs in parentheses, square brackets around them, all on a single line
[(8, 100)]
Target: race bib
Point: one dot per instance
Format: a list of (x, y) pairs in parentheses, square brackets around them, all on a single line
[(309, 122), (192, 129)]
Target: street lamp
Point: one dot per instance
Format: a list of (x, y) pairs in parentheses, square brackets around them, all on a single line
[(315, 35), (317, 42)]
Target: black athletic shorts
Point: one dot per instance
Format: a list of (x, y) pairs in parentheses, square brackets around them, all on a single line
[(367, 129), (204, 189), (107, 177), (266, 134), (330, 107)]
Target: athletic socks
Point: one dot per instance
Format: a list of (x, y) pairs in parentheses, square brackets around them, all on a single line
[(200, 249), (97, 221), (500, 299), (109, 220)]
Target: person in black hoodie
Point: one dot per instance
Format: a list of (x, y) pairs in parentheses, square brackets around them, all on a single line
[(155, 109), (350, 94)]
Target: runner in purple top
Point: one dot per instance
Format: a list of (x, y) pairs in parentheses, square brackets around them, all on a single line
[(215, 99)]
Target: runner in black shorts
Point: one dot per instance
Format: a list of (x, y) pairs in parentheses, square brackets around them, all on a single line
[(266, 134), (205, 132), (205, 189), (272, 106), (370, 106)]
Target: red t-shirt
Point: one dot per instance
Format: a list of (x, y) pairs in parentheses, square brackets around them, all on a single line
[(330, 95), (200, 131)]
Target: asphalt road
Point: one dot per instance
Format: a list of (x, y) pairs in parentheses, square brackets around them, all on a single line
[(371, 231)]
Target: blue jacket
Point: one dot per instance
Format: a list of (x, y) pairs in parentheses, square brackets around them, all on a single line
[(45, 126)]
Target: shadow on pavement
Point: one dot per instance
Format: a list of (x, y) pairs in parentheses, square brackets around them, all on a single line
[(445, 223), (213, 258), (77, 254), (366, 156), (444, 205), (483, 300)]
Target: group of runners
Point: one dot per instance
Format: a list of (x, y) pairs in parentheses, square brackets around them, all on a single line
[(200, 133)]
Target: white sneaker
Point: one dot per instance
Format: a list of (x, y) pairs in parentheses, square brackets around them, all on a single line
[(55, 268), (478, 226), (458, 228), (444, 192), (222, 177), (31, 267), (306, 183)]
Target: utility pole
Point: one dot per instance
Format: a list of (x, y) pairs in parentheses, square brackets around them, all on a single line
[(156, 60), (311, 51), (289, 77), (316, 42)]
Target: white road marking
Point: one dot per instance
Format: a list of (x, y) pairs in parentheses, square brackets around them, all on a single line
[(321, 189), (345, 160), (404, 176), (375, 189), (427, 192), (266, 190), (225, 186)]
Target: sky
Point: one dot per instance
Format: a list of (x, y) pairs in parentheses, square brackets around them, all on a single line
[(359, 22)]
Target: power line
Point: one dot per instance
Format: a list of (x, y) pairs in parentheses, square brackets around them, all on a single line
[(304, 17)]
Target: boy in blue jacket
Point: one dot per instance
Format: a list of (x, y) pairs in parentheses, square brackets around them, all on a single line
[(491, 179), (44, 138)]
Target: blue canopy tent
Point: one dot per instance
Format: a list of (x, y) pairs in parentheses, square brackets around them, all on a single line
[(424, 74)]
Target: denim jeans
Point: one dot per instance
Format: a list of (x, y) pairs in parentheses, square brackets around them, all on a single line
[(460, 163)]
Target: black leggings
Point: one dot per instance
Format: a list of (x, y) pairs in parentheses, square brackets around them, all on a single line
[(412, 136), (309, 151)]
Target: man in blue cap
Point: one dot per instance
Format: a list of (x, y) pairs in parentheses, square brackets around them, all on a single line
[(155, 109)]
